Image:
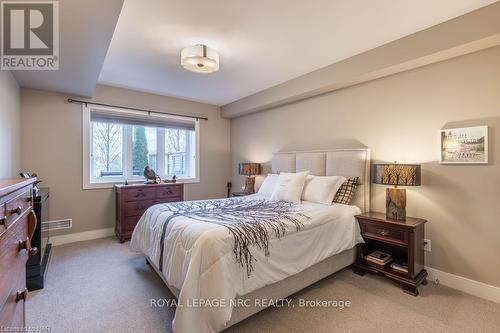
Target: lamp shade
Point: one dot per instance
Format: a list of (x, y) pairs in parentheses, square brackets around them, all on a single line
[(396, 174), (249, 169)]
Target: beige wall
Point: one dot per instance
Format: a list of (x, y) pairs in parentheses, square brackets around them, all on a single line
[(399, 118), (52, 146), (10, 119)]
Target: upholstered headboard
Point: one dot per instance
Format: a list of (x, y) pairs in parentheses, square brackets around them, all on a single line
[(332, 162)]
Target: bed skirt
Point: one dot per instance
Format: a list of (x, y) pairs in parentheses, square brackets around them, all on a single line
[(283, 288)]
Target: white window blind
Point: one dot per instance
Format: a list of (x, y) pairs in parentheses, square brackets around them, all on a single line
[(141, 118)]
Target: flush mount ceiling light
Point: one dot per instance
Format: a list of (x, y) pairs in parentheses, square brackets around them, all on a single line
[(200, 59)]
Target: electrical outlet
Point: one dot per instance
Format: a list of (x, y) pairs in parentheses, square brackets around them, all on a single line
[(427, 245)]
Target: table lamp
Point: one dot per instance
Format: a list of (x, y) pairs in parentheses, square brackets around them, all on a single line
[(249, 169), (397, 175)]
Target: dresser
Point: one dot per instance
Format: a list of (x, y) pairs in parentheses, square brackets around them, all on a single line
[(133, 200), (17, 224)]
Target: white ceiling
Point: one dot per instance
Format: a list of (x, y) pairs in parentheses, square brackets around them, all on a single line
[(85, 31), (261, 43)]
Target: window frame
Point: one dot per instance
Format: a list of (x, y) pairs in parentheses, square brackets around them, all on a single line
[(89, 182)]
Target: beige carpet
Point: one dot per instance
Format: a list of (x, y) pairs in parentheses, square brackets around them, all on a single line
[(100, 286)]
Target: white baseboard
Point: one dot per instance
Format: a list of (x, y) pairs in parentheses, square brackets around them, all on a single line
[(466, 285), (81, 236)]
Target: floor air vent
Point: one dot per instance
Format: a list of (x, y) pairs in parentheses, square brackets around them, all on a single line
[(57, 225)]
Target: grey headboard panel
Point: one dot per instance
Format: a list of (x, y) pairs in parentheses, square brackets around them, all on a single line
[(332, 162)]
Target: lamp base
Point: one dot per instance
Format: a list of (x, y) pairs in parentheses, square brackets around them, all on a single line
[(250, 185), (395, 204)]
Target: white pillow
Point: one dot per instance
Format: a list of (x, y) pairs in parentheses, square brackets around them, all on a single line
[(290, 186), (268, 185), (321, 189)]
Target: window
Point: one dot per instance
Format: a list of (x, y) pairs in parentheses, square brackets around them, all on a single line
[(179, 160), (119, 144)]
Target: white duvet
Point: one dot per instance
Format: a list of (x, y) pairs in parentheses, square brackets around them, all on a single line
[(198, 258)]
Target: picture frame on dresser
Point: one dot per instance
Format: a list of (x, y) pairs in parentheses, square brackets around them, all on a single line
[(133, 200)]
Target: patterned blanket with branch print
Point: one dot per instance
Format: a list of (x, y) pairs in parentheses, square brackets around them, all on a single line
[(250, 221)]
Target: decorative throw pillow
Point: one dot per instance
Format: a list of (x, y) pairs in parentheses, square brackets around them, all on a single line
[(346, 191), (268, 185), (321, 189), (290, 186)]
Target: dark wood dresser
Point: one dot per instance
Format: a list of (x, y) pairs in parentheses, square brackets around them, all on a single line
[(133, 200), (17, 224)]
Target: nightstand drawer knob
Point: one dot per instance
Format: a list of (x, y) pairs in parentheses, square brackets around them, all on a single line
[(383, 232)]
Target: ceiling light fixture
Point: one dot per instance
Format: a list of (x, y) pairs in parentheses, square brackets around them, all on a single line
[(200, 59)]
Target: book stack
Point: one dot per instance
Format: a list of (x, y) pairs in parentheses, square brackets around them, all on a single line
[(378, 259), (400, 266)]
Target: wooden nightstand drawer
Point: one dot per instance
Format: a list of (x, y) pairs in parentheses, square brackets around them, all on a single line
[(384, 233)]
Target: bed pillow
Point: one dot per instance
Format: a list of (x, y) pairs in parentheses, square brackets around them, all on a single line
[(268, 185), (321, 189), (290, 186), (346, 191)]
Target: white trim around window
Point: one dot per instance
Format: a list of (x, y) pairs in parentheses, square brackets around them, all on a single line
[(89, 182)]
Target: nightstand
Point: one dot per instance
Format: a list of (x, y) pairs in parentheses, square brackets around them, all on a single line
[(240, 194), (404, 240)]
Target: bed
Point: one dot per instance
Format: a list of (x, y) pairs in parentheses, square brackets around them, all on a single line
[(196, 260)]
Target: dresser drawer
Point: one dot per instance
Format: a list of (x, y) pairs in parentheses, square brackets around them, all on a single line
[(18, 206), (12, 261), (129, 223), (12, 311), (137, 208), (169, 192), (384, 233), (141, 193)]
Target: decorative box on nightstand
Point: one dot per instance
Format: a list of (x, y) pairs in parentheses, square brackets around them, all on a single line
[(404, 240)]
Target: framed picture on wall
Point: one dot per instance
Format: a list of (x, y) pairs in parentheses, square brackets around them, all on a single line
[(468, 145)]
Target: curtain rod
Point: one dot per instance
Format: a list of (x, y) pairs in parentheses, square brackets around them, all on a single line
[(70, 100)]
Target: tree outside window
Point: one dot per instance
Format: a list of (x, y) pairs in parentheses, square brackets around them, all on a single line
[(139, 150), (107, 149)]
